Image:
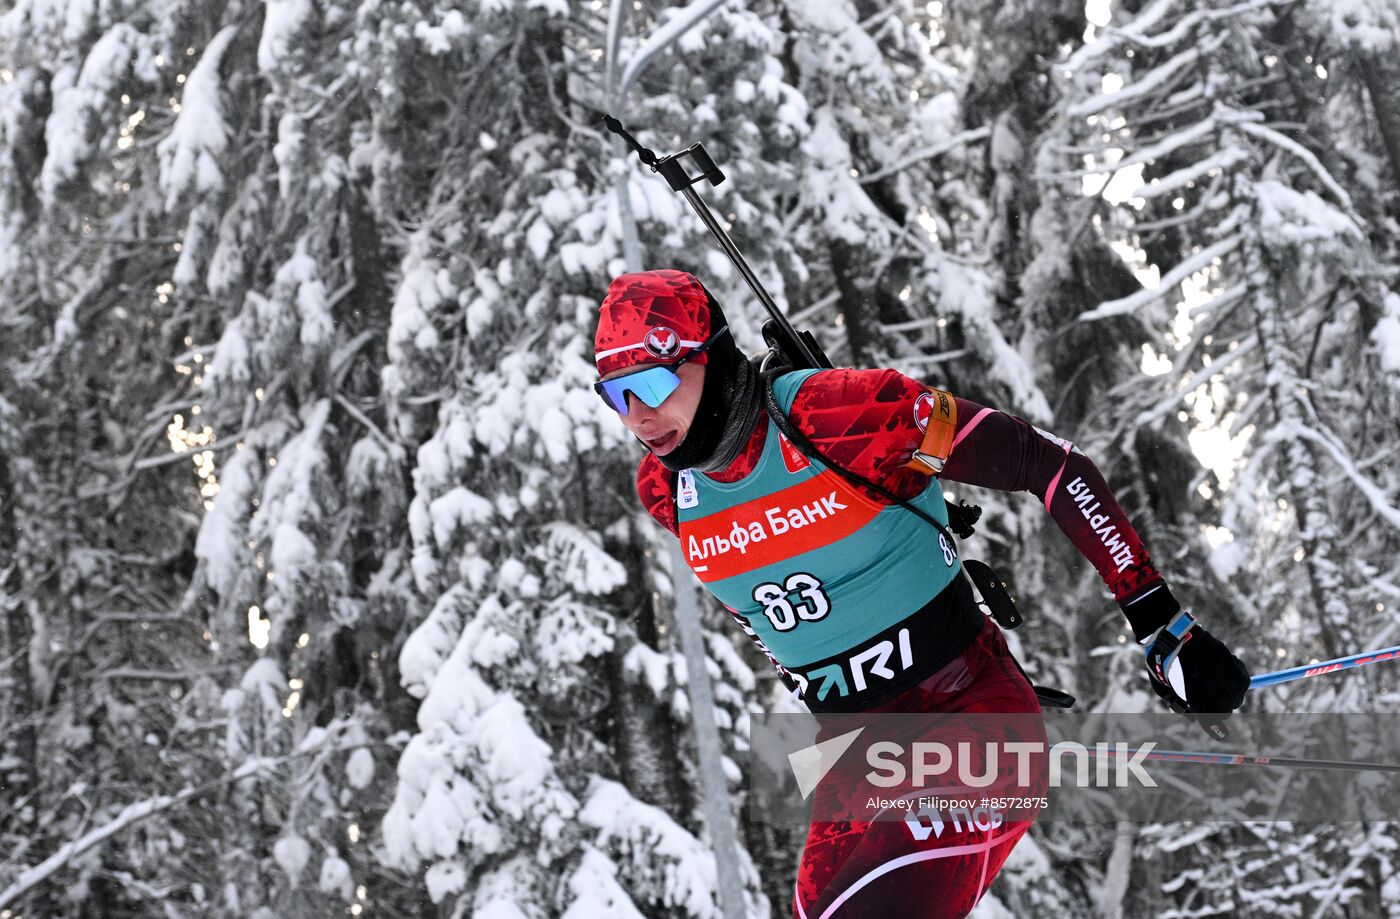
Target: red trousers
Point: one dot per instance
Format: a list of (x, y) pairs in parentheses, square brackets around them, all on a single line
[(881, 868)]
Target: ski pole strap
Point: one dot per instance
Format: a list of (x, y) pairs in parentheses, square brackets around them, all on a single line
[(1167, 644), (643, 153)]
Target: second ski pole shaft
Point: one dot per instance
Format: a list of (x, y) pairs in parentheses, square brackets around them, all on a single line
[(1321, 667)]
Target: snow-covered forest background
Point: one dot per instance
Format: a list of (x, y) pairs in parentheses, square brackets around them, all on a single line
[(323, 587)]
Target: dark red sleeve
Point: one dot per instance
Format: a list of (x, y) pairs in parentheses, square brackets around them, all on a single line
[(654, 488), (864, 420), (1001, 451)]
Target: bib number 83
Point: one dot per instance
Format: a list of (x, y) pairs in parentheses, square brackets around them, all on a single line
[(782, 612)]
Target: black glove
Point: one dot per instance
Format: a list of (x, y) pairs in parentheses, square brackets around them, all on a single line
[(1195, 674)]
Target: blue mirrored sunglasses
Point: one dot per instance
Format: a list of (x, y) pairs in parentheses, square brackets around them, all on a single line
[(652, 385)]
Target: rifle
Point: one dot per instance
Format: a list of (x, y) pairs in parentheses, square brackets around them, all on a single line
[(799, 350)]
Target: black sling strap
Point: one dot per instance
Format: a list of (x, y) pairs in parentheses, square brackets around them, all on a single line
[(961, 517)]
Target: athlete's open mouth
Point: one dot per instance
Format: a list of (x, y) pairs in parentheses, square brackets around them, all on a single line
[(663, 444)]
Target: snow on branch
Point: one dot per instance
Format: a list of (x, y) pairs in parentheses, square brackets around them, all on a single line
[(663, 861), (928, 153), (1386, 335), (585, 565), (1179, 139), (189, 153), (1303, 153), (1136, 32), (1291, 218), (1112, 37), (595, 890), (1198, 262), (1157, 77), (1171, 143), (428, 647), (283, 21), (131, 814), (1379, 502), (79, 96), (1196, 380), (1222, 160), (1190, 21)]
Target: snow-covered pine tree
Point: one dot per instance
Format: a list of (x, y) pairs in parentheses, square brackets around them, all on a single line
[(528, 788), (142, 223), (322, 192), (1220, 135), (113, 695), (1240, 210)]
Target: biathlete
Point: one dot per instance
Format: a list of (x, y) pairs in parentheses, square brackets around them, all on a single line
[(829, 576)]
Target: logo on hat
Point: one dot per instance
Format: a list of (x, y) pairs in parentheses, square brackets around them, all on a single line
[(662, 343)]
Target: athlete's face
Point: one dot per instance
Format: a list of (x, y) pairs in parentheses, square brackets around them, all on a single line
[(664, 427)]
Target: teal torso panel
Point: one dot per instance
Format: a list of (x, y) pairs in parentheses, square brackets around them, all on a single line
[(815, 567)]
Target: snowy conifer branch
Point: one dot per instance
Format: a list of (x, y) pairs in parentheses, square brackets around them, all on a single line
[(1168, 283), (1112, 37), (1309, 159), (1152, 81), (1137, 31), (128, 816), (1171, 143), (928, 153), (1222, 160), (138, 811)]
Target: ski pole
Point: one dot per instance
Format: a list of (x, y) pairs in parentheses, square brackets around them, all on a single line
[(1242, 759), (1332, 666)]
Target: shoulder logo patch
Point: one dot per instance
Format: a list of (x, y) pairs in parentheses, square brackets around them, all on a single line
[(923, 409)]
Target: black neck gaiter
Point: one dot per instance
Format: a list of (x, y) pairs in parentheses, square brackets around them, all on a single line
[(728, 410)]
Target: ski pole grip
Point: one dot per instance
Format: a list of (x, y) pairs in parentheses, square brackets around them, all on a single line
[(674, 171)]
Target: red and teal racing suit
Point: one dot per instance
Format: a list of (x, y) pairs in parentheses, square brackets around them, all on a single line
[(859, 604)]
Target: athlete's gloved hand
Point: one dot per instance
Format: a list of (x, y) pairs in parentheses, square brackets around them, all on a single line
[(1195, 674)]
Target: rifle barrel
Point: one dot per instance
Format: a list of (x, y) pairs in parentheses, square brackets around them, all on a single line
[(735, 256)]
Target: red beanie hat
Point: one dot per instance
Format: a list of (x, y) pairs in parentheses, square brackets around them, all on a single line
[(651, 317)]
